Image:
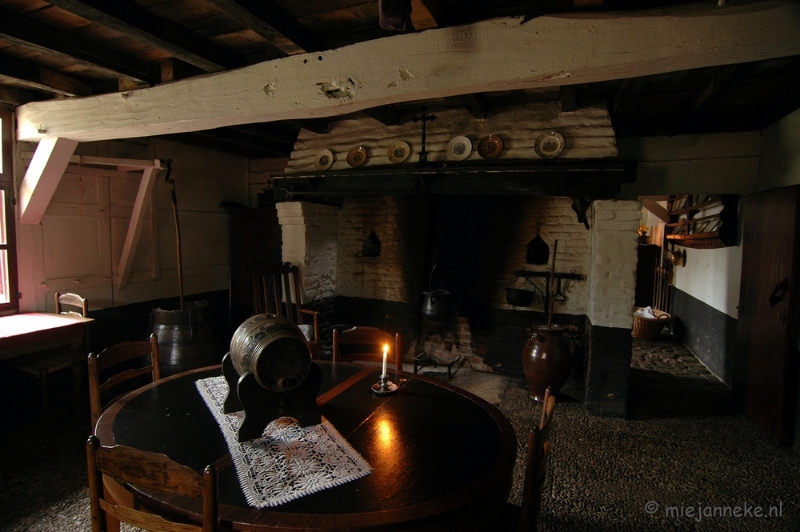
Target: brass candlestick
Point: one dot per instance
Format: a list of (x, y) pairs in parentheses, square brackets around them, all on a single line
[(384, 386)]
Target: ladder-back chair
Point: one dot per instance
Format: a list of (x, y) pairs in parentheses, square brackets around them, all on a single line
[(150, 471), (366, 343), (525, 518), (41, 364), (276, 290), (116, 357)]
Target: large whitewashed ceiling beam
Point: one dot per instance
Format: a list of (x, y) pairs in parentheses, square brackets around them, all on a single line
[(499, 54)]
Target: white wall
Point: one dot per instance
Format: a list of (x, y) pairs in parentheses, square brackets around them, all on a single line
[(712, 276), (721, 163), (78, 244), (780, 161)]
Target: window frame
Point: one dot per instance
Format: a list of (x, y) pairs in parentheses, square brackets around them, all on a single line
[(7, 185)]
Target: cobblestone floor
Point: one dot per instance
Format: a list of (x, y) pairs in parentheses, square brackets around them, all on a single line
[(666, 356)]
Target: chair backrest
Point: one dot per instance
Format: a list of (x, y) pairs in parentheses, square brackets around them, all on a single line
[(546, 420), (152, 472), (366, 343), (71, 304), (276, 290), (116, 355), (536, 466)]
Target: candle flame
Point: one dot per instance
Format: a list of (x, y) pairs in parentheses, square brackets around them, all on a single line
[(385, 348)]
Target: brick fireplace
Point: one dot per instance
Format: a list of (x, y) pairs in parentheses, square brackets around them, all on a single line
[(479, 244), (369, 258)]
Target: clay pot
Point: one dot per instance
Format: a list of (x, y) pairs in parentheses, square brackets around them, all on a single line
[(545, 360)]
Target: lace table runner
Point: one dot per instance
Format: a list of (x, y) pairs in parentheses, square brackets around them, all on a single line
[(288, 461)]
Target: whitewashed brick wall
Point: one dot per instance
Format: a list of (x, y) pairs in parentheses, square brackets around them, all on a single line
[(391, 276), (327, 243), (310, 240), (612, 276), (554, 219), (587, 133)]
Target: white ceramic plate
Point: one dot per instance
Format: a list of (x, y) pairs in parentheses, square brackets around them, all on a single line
[(398, 152), (459, 148), (323, 160), (549, 145)]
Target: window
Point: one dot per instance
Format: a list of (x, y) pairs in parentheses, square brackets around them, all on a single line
[(8, 245)]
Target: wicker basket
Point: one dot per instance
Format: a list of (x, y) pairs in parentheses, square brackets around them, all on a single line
[(648, 328)]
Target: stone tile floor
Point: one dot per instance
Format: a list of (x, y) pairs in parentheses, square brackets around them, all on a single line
[(684, 445)]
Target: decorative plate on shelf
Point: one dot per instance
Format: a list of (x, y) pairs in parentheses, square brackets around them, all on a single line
[(357, 156), (459, 148), (490, 147), (549, 145), (398, 152), (323, 160)]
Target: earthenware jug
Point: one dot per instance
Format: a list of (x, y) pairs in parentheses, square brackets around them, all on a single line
[(545, 360)]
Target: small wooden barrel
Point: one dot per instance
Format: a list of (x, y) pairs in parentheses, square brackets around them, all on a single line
[(273, 349)]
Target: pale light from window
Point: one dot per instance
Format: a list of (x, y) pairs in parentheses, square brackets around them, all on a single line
[(3, 230), (4, 291)]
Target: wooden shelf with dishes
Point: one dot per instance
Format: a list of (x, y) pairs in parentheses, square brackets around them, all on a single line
[(702, 221)]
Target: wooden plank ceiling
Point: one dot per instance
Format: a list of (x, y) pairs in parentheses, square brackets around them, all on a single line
[(72, 48)]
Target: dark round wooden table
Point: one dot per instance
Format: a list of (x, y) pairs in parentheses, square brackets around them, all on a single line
[(442, 458)]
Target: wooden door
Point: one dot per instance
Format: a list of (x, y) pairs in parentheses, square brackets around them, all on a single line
[(767, 310)]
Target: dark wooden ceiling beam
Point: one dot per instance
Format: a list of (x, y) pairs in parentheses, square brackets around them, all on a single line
[(568, 98), (37, 77), (787, 102), (384, 115), (51, 41), (477, 104), (272, 22), (723, 81), (128, 18), (15, 96), (231, 138), (626, 96), (264, 134), (315, 125)]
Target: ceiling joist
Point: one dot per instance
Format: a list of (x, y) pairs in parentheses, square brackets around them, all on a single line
[(53, 42), (272, 22), (128, 18), (37, 77)]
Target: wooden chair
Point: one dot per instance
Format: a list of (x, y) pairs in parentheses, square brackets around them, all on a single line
[(114, 357), (276, 290), (149, 471), (41, 364), (71, 305), (525, 518), (366, 343)]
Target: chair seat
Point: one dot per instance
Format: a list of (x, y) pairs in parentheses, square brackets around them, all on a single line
[(48, 361)]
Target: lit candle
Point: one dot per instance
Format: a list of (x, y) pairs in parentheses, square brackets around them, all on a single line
[(385, 356)]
